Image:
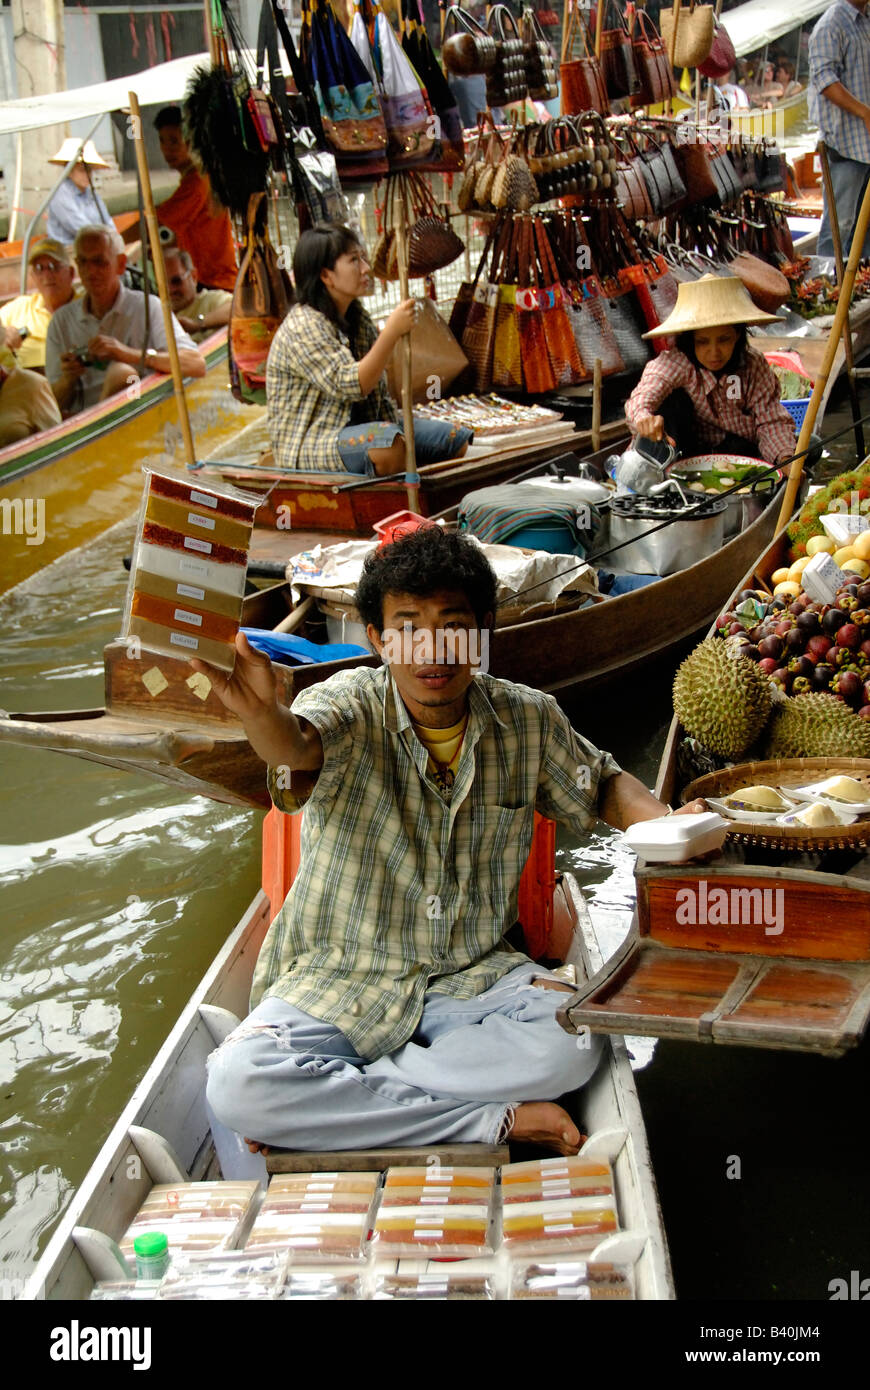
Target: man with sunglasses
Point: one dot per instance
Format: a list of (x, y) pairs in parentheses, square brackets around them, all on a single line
[(25, 319), (199, 311)]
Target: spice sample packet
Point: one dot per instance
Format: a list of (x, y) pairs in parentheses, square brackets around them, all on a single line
[(439, 1231), (346, 1192), (323, 1284), (194, 1215), (450, 1286), (314, 1236), (574, 1223), (571, 1279), (565, 1177), (235, 1275), (187, 580)]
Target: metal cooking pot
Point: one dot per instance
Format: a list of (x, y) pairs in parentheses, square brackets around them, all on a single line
[(675, 547), (743, 507)]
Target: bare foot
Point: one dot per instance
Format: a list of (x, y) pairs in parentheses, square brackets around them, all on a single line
[(257, 1148), (544, 1122)]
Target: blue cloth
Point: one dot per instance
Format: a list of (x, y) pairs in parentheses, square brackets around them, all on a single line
[(840, 52), (848, 180), (434, 441), (71, 208), (290, 650), (291, 1080)]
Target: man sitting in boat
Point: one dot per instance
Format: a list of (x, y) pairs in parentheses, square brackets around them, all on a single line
[(387, 1006), (328, 407), (201, 225), (712, 392), (27, 405), (100, 344), (76, 203), (25, 319), (199, 311)]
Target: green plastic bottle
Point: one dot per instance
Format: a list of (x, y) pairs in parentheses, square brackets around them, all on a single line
[(152, 1255)]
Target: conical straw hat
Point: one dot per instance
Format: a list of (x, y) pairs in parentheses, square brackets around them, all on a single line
[(88, 155), (714, 301)]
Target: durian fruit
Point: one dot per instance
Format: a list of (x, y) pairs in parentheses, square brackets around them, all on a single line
[(844, 789), (721, 699), (816, 725), (817, 816), (766, 799)]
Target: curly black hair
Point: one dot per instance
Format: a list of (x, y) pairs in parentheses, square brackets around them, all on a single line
[(422, 562)]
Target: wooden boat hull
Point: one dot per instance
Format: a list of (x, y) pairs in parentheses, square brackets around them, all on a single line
[(84, 475), (170, 1103), (577, 653)]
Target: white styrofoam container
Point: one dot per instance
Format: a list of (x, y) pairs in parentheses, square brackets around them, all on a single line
[(676, 839), (821, 578), (842, 527)]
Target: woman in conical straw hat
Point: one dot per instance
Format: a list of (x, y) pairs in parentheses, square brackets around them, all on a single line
[(712, 392)]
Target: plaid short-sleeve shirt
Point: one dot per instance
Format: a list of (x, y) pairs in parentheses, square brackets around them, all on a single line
[(313, 390), (840, 52), (745, 402), (401, 890)]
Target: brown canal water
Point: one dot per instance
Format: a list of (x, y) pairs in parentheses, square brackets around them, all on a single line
[(117, 892)]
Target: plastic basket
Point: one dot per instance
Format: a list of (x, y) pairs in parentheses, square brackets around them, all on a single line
[(797, 410)]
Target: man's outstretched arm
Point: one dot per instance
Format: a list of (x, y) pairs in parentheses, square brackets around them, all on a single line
[(251, 694), (624, 800)]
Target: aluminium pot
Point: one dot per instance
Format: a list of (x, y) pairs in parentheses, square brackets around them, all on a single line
[(690, 536)]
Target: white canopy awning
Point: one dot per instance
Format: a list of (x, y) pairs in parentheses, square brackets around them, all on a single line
[(165, 83), (761, 22)]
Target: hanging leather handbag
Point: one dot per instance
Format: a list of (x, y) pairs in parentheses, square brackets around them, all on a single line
[(694, 33), (261, 298), (769, 167), (506, 79), (407, 113), (449, 152), (583, 86), (729, 186), (350, 111), (462, 302), (617, 56), (695, 163), (767, 286), (470, 49), (478, 338), (542, 79), (652, 64), (722, 57), (432, 242), (435, 353), (666, 189)]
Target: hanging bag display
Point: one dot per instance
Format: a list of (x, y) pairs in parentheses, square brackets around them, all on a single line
[(261, 299), (565, 361), (478, 337), (722, 57), (542, 78), (617, 56), (584, 302), (654, 72), (351, 115), (506, 79), (666, 189), (449, 151), (583, 86), (507, 357), (468, 48), (694, 33), (435, 356), (407, 113), (537, 367), (462, 302), (514, 187)]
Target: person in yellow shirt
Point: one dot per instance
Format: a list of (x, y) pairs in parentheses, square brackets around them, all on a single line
[(27, 405), (25, 319), (199, 311)]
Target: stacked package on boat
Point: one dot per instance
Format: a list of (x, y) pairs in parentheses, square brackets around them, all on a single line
[(190, 561), (526, 1231)]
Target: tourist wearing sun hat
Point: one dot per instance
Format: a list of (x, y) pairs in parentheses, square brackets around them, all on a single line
[(53, 272), (76, 204), (712, 392)]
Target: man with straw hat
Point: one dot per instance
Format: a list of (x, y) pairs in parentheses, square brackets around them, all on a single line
[(76, 203), (712, 391)]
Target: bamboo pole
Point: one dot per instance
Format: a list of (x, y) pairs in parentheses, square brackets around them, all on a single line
[(846, 288), (596, 406), (412, 477), (672, 54), (847, 327), (599, 25), (162, 287)]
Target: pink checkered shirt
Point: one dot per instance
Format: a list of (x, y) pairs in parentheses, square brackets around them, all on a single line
[(745, 402)]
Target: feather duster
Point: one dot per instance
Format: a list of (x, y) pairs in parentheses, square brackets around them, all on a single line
[(219, 130)]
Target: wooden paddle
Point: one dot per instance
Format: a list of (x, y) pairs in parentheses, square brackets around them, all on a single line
[(162, 287), (412, 478)]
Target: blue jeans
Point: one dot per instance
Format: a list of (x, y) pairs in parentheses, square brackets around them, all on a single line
[(434, 441), (848, 180), (290, 1080)]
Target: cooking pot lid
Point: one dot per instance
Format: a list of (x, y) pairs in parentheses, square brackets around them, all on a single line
[(668, 505)]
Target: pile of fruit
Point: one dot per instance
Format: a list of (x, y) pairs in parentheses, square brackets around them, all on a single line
[(784, 676), (807, 525)]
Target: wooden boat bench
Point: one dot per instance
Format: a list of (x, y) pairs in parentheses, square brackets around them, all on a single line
[(376, 1160)]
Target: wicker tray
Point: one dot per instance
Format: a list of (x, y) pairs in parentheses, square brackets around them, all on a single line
[(785, 773)]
